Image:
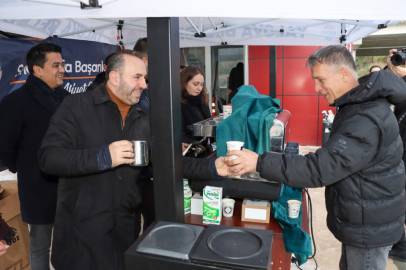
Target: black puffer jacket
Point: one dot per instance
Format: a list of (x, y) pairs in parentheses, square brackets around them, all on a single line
[(360, 165), (400, 113)]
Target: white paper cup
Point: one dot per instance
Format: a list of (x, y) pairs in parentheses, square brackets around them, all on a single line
[(227, 111), (294, 208), (228, 207), (234, 145)]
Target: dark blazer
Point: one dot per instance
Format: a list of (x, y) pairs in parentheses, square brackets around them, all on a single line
[(24, 117)]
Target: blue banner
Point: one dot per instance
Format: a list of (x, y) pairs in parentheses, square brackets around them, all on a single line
[(84, 60)]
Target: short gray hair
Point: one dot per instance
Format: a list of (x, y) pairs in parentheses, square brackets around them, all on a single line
[(336, 56), (116, 62)]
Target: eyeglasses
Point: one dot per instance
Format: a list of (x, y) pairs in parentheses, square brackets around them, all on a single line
[(57, 65)]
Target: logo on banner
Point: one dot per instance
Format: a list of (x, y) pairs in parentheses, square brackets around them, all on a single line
[(88, 69), (329, 30)]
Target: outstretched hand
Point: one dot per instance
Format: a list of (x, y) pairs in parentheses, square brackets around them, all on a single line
[(246, 161), (221, 166), (3, 248)]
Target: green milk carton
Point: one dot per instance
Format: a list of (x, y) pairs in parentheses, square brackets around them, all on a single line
[(187, 196), (212, 210)]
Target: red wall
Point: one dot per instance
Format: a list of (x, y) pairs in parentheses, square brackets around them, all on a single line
[(258, 68), (294, 87)]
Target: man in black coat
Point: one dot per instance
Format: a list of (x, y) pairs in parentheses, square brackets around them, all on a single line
[(360, 165), (235, 80), (398, 251), (88, 146), (24, 118)]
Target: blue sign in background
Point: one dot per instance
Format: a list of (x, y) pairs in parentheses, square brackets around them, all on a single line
[(84, 60)]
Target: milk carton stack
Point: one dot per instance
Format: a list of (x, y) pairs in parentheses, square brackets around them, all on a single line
[(212, 208)]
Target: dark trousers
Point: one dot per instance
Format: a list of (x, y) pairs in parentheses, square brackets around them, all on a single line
[(146, 190), (401, 245), (40, 243), (355, 258)]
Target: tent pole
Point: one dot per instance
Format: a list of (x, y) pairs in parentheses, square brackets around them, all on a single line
[(275, 31), (145, 26), (349, 33), (193, 25), (90, 29), (214, 26), (272, 71), (374, 25), (32, 27), (164, 85), (212, 31), (343, 37), (78, 23)]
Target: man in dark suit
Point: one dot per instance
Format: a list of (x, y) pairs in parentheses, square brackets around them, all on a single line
[(24, 118)]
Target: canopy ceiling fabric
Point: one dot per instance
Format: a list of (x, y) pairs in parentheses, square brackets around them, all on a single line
[(313, 23)]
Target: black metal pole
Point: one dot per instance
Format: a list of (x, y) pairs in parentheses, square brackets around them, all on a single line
[(272, 71), (164, 86)]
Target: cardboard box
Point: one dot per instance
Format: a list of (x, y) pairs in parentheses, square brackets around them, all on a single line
[(17, 256), (256, 211), (197, 204)]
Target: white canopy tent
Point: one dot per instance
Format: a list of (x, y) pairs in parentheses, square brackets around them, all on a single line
[(255, 22), (210, 23)]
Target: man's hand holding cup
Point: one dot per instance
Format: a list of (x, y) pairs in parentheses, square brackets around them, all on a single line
[(121, 152)]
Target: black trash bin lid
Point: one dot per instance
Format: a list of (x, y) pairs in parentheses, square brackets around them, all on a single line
[(171, 240), (233, 247)]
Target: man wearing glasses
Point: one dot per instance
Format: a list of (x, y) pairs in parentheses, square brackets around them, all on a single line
[(24, 118)]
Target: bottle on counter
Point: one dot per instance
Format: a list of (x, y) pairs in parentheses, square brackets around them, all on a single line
[(330, 117), (187, 196), (325, 115)]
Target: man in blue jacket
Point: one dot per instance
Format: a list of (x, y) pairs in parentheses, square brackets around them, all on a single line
[(360, 165)]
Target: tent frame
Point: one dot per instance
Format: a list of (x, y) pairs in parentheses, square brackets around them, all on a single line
[(200, 34)]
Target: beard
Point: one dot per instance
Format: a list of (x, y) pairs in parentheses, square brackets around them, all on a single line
[(125, 93)]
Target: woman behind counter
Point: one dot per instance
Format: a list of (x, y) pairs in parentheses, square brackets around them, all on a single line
[(194, 100)]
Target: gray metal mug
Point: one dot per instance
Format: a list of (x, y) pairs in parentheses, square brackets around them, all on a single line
[(140, 153)]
